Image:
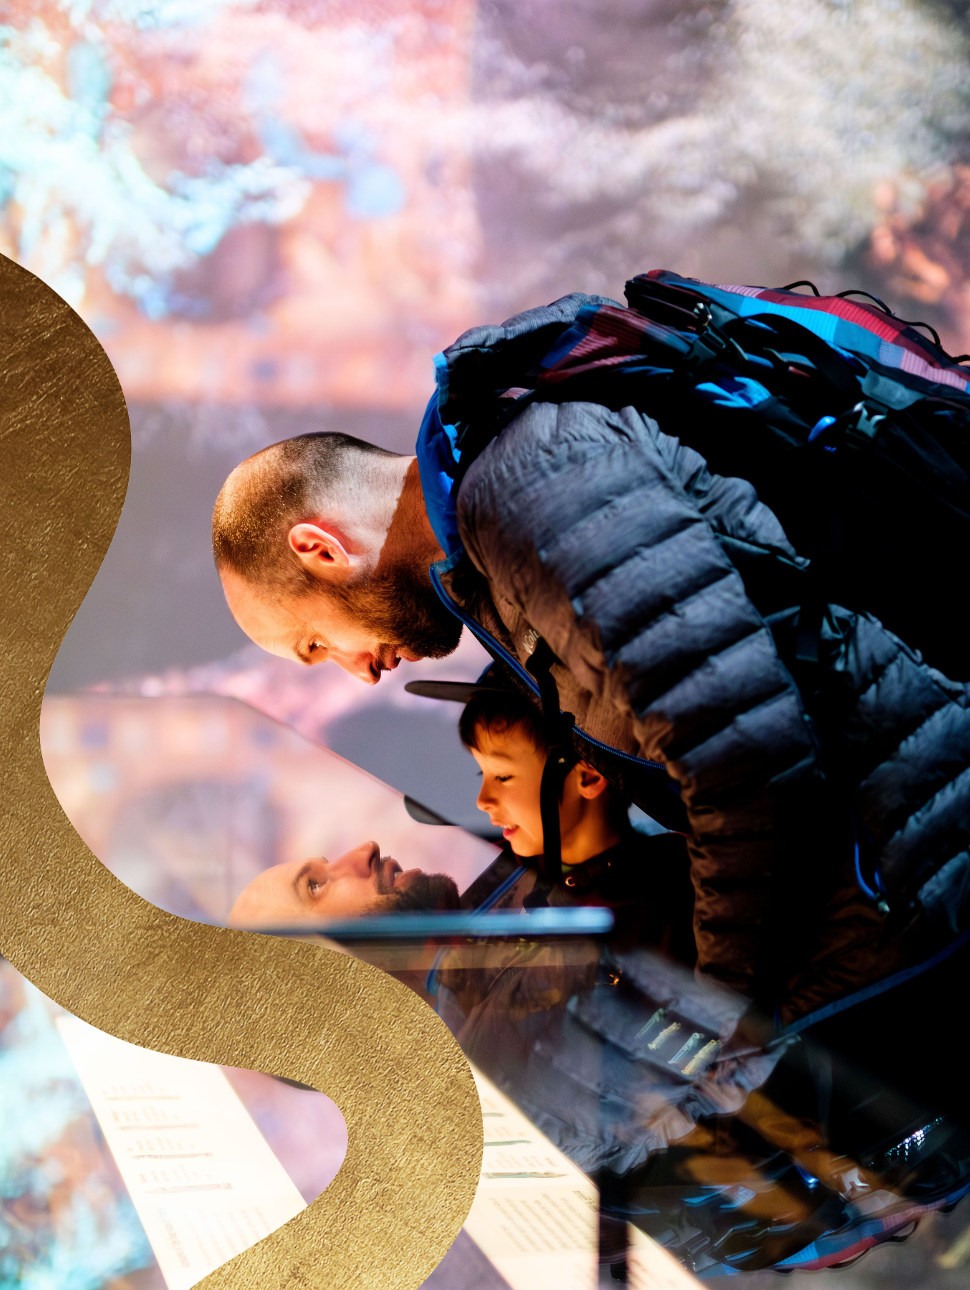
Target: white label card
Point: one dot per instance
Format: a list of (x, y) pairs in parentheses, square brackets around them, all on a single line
[(202, 1177), (535, 1215)]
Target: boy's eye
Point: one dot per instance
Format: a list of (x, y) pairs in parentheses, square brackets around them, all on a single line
[(503, 779), (313, 887)]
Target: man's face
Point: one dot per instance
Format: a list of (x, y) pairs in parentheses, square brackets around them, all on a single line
[(307, 890), (366, 629), (511, 769)]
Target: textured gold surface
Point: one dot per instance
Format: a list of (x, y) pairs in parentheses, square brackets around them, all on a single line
[(405, 1090)]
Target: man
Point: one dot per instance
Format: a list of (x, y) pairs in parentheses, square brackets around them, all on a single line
[(357, 883), (652, 581)]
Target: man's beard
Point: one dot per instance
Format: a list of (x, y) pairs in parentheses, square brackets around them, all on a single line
[(400, 608), (422, 892)]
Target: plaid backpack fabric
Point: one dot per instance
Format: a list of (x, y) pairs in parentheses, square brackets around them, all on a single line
[(851, 424)]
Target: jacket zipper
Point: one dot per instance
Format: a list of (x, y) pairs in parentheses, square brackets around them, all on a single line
[(494, 647)]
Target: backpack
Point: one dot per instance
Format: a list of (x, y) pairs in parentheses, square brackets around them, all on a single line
[(853, 427)]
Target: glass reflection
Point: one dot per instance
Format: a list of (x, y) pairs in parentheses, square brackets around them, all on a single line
[(732, 1146), (192, 801), (734, 1142)]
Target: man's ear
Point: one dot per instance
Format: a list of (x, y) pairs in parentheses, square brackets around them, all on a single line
[(318, 549), (591, 782)]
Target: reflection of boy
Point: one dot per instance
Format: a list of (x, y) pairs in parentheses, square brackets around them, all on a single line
[(645, 880)]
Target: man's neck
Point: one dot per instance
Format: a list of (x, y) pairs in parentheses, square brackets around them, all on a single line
[(409, 532)]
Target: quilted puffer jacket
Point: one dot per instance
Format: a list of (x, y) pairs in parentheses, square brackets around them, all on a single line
[(669, 597)]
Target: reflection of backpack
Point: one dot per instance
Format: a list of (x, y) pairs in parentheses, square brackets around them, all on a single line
[(711, 1231), (853, 427), (741, 1193)]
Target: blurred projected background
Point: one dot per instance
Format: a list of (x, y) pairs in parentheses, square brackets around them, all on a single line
[(274, 212)]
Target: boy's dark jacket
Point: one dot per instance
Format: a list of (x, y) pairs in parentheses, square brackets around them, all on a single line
[(669, 596)]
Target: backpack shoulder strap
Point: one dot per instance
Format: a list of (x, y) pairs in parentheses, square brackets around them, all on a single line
[(562, 757)]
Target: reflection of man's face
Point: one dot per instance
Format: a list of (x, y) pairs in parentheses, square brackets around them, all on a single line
[(320, 888)]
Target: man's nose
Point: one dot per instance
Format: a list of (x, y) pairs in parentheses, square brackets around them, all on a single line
[(362, 666), (360, 861), (365, 858)]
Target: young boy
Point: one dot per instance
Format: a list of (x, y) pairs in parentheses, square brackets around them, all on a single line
[(644, 880)]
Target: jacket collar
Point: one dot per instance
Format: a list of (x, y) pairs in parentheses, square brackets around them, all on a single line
[(438, 460)]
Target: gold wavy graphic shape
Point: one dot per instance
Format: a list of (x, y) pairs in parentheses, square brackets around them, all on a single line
[(111, 958)]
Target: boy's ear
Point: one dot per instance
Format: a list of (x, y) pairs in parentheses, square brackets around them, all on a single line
[(591, 782)]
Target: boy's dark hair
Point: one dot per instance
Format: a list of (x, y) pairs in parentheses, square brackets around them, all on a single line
[(501, 711)]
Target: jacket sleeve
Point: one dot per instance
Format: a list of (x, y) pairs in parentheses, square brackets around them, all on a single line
[(603, 533)]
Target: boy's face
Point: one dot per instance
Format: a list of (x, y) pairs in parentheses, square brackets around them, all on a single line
[(511, 777)]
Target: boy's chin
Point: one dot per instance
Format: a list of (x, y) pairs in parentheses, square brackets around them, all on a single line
[(524, 848)]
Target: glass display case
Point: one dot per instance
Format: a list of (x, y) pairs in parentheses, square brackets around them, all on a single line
[(642, 1124)]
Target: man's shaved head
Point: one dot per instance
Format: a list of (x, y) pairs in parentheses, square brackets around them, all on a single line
[(275, 489), (323, 545)]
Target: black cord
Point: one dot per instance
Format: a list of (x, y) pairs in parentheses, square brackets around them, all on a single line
[(869, 296), (907, 322), (802, 282)]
